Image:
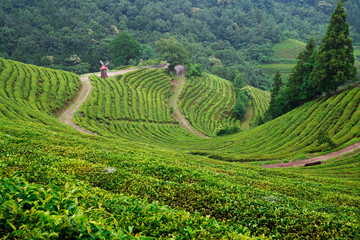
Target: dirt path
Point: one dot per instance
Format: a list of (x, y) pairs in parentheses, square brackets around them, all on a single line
[(178, 87), (245, 124), (348, 149), (66, 116)]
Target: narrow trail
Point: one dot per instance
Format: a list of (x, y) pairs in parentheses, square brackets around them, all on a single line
[(245, 124), (348, 149), (174, 103), (66, 116)]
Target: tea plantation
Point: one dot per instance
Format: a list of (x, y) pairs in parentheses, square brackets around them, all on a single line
[(127, 182), (207, 103)]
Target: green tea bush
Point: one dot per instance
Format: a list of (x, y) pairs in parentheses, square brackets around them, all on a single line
[(31, 211)]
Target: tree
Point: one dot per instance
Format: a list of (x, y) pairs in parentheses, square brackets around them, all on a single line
[(242, 101), (335, 60), (277, 103), (240, 80), (277, 84), (123, 49), (300, 88), (172, 51)]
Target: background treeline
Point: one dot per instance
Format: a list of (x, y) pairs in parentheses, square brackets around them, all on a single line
[(317, 71), (225, 37)]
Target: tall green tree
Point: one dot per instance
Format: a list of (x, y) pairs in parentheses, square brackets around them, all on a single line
[(300, 88), (172, 51), (278, 102), (123, 49), (277, 84), (242, 101), (335, 60)]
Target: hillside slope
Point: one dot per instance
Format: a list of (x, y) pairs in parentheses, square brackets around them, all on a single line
[(207, 103), (316, 126), (86, 186)]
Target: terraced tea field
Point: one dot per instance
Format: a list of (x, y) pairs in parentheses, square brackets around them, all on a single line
[(298, 132), (134, 106), (207, 103), (259, 102), (27, 91), (39, 88), (284, 68), (129, 183), (125, 190), (287, 50), (284, 57)]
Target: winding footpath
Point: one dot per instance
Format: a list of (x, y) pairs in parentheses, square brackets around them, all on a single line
[(177, 113), (69, 112), (348, 149), (66, 116)]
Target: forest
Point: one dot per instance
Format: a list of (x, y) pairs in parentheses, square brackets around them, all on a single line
[(225, 37)]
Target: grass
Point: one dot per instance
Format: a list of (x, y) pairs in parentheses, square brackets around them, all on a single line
[(259, 102), (357, 56), (287, 50), (284, 57), (61, 183), (284, 68)]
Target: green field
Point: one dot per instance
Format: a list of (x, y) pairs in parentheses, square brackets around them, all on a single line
[(357, 56), (287, 50), (284, 68), (135, 106), (132, 184), (284, 57), (259, 101), (207, 103)]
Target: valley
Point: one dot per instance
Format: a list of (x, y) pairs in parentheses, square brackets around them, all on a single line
[(142, 174), (217, 119)]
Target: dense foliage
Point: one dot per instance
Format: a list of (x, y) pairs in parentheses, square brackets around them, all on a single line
[(317, 72), (335, 60), (299, 88), (172, 52), (124, 50), (226, 37), (242, 101)]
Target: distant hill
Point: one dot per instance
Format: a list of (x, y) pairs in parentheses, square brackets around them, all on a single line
[(74, 35)]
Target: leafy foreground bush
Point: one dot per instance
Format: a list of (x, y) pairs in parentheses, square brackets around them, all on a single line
[(31, 211)]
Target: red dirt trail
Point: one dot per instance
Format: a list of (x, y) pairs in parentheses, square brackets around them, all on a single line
[(348, 149)]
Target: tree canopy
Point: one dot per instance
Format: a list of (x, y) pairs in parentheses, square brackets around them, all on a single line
[(172, 51), (335, 60), (317, 72), (225, 37), (123, 49)]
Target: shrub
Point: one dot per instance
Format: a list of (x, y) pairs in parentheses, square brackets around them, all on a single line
[(226, 130)]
